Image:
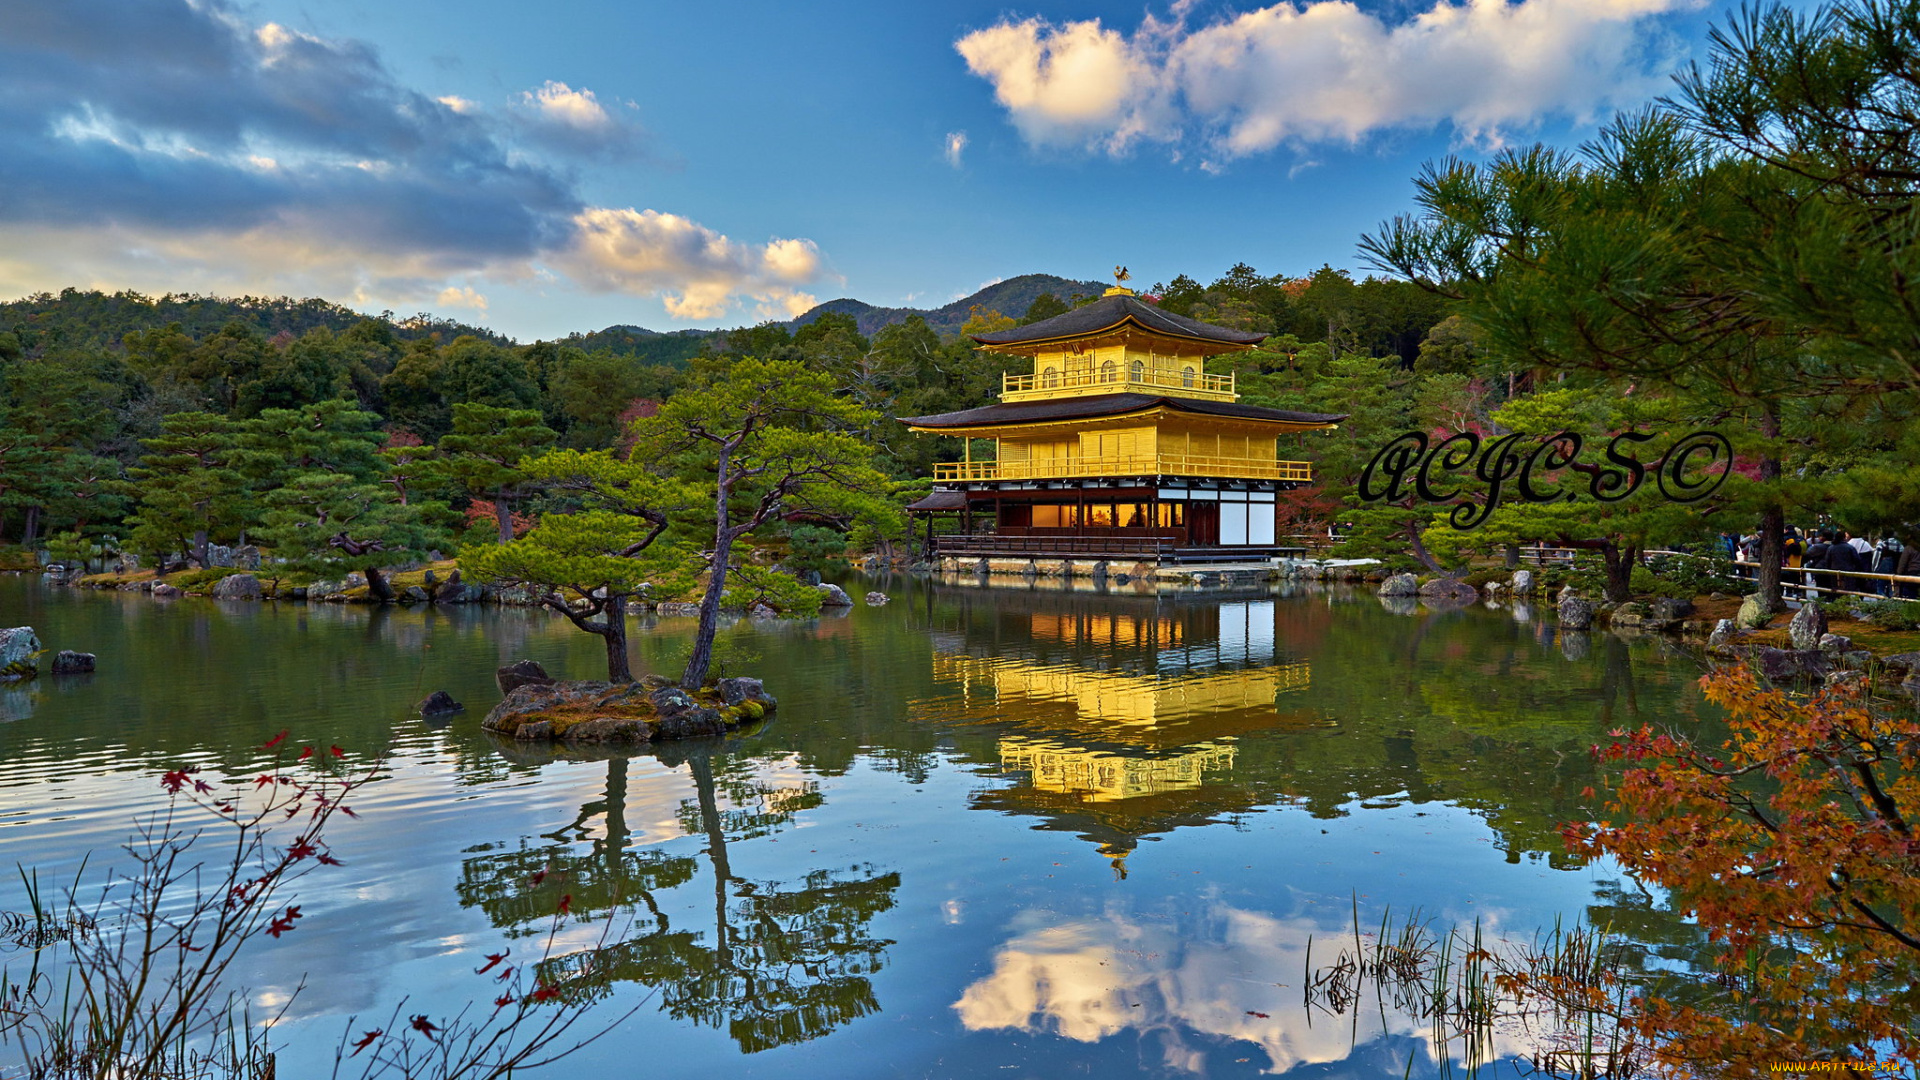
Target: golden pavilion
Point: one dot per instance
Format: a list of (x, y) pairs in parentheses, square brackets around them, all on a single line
[(1118, 443)]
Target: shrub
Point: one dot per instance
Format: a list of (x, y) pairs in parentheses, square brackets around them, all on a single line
[(1897, 615), (72, 549), (1695, 575)]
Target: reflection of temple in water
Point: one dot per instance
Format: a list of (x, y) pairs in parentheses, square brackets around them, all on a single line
[(1119, 714)]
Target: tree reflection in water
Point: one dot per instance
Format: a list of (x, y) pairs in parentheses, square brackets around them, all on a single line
[(785, 962)]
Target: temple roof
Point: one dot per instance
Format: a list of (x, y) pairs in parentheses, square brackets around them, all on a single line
[(1112, 312), (1090, 408), (940, 499)]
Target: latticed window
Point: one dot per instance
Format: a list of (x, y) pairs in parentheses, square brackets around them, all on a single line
[(1050, 377), (1138, 371), (1186, 376), (1109, 372)]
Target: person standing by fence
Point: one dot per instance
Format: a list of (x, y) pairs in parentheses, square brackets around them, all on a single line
[(1908, 565), (1886, 555), (1816, 559), (1844, 556)]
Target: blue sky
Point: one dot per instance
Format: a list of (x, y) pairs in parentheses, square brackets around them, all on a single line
[(566, 166)]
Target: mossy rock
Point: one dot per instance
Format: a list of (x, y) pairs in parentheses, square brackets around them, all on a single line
[(598, 712)]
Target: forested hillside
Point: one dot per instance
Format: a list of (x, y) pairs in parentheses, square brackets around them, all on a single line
[(77, 318), (100, 394)]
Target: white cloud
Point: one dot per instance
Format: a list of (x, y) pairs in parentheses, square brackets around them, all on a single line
[(956, 145), (209, 154), (1065, 84), (696, 271), (562, 104), (1324, 71), (292, 259), (562, 118), (462, 296)]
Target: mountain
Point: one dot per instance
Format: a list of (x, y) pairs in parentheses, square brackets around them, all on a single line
[(650, 346), (1010, 297)]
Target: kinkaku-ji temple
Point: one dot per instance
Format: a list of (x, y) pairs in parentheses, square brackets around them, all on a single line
[(1118, 445)]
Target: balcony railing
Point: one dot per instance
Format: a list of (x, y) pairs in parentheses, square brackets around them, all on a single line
[(1157, 465), (1018, 387), (1052, 545)]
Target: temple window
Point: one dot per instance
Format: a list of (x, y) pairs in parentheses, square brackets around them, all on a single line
[(1186, 376), (1138, 371), (1050, 377), (1108, 372)]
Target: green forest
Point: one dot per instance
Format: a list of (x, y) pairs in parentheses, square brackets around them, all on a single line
[(101, 395)]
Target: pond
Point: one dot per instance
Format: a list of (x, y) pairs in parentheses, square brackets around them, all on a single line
[(993, 831)]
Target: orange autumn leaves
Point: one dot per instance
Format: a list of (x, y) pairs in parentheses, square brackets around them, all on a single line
[(1792, 843)]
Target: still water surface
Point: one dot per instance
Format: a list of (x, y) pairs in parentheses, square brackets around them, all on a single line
[(997, 832)]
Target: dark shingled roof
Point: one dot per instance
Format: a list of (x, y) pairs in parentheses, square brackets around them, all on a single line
[(1088, 408), (940, 499), (1110, 312)]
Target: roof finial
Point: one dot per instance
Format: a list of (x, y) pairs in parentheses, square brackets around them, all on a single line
[(1120, 274)]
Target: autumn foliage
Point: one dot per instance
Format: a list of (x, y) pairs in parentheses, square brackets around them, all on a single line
[(1792, 844)]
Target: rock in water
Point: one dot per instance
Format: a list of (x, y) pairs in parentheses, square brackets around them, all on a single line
[(1723, 635), (757, 610), (440, 703), (237, 587), (1629, 616), (1449, 590), (164, 591), (737, 691), (1786, 665), (669, 700), (677, 608), (1566, 592), (877, 599), (1575, 614), (1400, 585), (68, 662), (19, 653), (695, 723), (414, 594), (1808, 624), (520, 673), (1522, 583), (1753, 613), (836, 596), (1669, 609)]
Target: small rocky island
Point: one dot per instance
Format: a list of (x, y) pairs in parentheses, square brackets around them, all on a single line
[(538, 708)]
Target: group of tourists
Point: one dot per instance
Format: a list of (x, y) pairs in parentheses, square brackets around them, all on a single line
[(1831, 559)]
